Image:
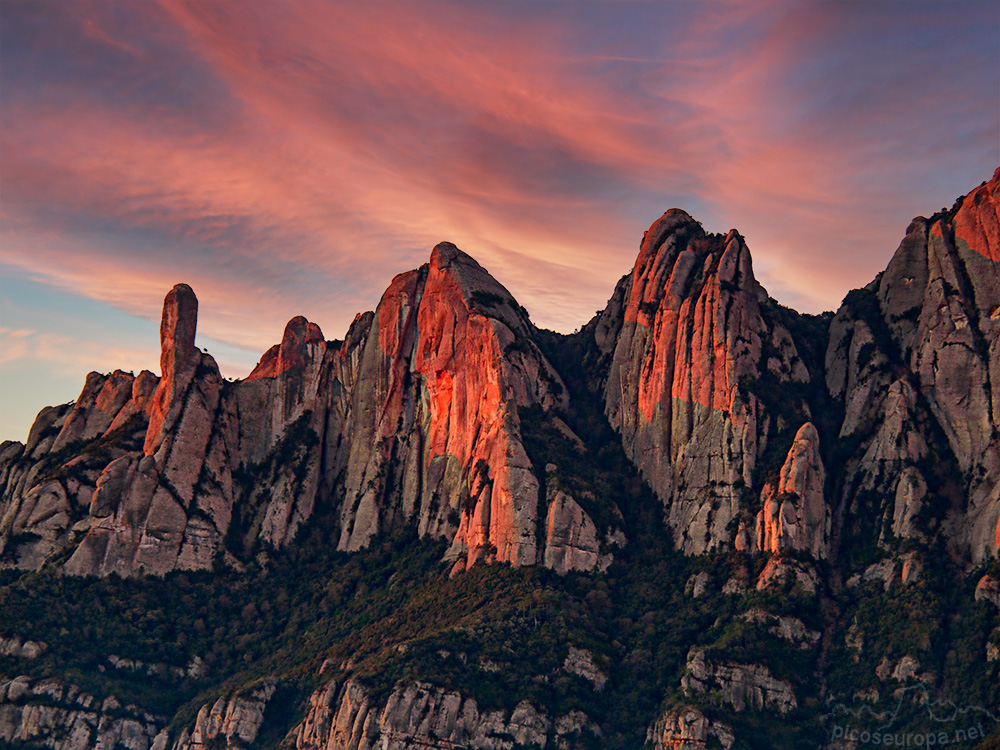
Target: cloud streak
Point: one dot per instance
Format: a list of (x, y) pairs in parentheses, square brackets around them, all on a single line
[(290, 157)]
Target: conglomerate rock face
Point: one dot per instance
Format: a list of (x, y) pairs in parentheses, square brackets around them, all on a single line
[(687, 332), (140, 510), (724, 401), (795, 515), (741, 686), (50, 713), (687, 728), (344, 717), (445, 366), (412, 419), (231, 721), (915, 356), (701, 376)]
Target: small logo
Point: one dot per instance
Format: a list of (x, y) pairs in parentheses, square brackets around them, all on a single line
[(916, 720)]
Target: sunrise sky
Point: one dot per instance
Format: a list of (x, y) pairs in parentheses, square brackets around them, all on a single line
[(289, 158)]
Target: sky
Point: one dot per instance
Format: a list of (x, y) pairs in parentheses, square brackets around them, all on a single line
[(288, 158)]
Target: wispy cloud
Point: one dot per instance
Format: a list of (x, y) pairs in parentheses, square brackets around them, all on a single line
[(291, 157), (26, 347)]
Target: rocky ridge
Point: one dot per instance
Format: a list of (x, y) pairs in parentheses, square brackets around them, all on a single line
[(412, 419), (914, 357)]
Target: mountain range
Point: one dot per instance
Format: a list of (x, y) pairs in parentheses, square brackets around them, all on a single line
[(702, 520)]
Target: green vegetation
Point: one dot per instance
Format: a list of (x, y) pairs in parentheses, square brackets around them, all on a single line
[(485, 301)]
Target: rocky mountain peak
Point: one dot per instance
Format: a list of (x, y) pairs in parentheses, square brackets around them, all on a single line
[(687, 331), (436, 428), (673, 221), (445, 254), (455, 277), (928, 328), (301, 343)]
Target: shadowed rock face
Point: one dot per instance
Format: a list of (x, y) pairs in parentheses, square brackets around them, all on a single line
[(49, 484), (422, 715), (916, 359), (48, 713), (742, 686), (232, 721), (687, 728)]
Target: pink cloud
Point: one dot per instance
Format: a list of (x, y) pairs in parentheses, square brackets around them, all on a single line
[(352, 138)]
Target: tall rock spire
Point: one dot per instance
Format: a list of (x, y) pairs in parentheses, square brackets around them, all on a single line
[(178, 362)]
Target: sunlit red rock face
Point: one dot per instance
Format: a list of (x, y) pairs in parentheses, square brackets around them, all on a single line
[(686, 333), (435, 426), (977, 223)]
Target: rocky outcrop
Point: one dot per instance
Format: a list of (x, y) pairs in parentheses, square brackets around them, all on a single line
[(21, 649), (702, 376), (697, 584), (156, 490), (49, 483), (231, 721), (343, 717), (149, 512), (742, 686), (788, 575), (988, 590), (581, 663), (572, 541), (62, 717), (178, 361), (795, 515), (98, 406), (904, 569), (280, 415), (687, 728), (787, 628), (685, 335), (914, 356)]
